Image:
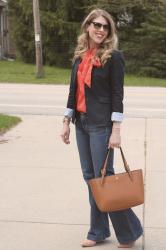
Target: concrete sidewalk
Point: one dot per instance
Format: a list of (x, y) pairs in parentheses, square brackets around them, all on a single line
[(44, 203)]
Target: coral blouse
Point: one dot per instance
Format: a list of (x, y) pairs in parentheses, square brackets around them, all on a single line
[(84, 77)]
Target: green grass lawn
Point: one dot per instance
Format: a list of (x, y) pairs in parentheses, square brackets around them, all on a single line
[(7, 122), (18, 72), (132, 80)]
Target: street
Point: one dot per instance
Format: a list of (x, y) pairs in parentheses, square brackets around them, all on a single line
[(51, 100)]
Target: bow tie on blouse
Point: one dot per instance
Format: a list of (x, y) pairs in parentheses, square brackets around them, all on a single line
[(88, 62)]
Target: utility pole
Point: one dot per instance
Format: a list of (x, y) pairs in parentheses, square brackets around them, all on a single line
[(38, 42)]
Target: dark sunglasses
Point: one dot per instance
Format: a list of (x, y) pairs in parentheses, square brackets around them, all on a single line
[(98, 26)]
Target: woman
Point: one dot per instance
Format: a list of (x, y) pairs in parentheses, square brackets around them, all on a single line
[(95, 106)]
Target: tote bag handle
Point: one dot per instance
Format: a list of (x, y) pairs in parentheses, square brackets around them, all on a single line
[(126, 166)]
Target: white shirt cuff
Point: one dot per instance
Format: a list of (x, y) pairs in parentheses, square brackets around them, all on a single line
[(117, 117), (68, 112)]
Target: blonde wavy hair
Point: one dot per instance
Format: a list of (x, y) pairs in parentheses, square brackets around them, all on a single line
[(108, 45)]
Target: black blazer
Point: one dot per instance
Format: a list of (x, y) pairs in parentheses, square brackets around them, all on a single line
[(106, 93)]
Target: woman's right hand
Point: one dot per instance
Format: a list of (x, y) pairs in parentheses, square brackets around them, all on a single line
[(65, 133)]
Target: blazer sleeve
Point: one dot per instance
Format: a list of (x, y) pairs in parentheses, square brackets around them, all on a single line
[(71, 95), (117, 81)]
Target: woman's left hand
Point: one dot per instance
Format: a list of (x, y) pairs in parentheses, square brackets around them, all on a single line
[(115, 138)]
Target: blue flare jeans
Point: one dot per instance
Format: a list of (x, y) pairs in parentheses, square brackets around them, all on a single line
[(92, 142)]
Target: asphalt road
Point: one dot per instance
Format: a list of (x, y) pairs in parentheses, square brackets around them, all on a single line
[(51, 99)]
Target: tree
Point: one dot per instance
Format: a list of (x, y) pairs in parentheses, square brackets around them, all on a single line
[(143, 40), (142, 31), (22, 28), (140, 23), (60, 22), (152, 35)]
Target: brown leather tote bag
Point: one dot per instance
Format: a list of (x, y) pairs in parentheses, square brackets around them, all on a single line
[(119, 191)]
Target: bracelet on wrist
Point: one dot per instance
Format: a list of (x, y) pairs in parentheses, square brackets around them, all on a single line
[(66, 120)]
